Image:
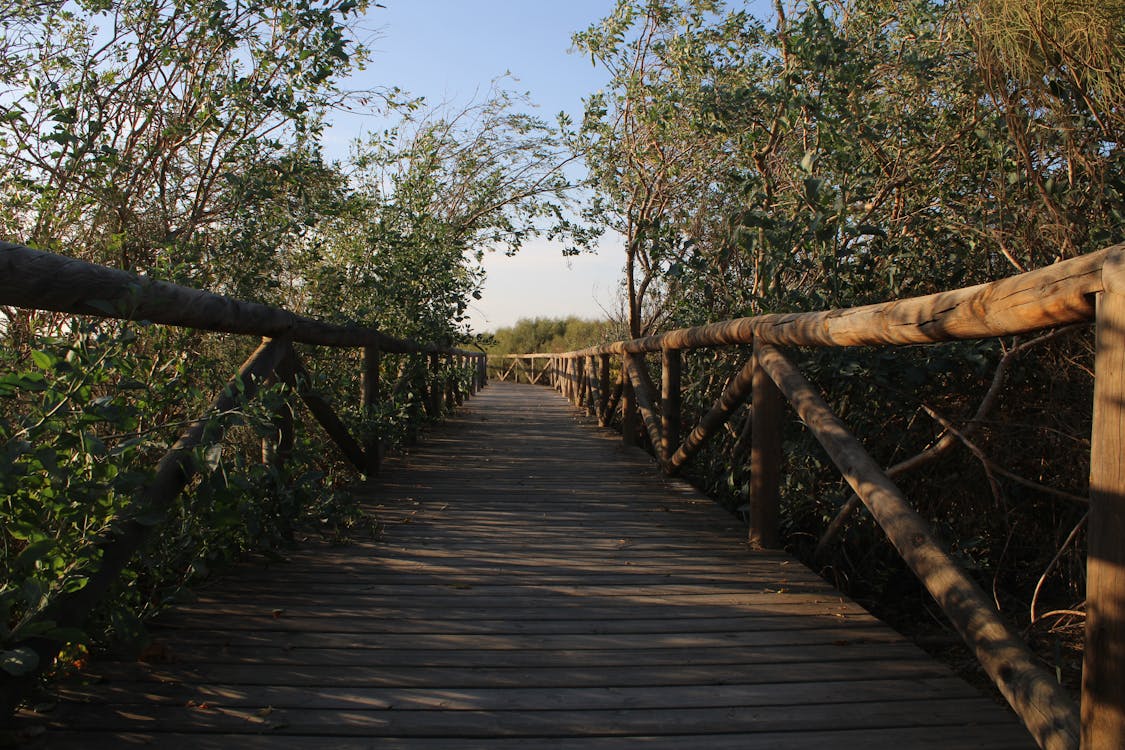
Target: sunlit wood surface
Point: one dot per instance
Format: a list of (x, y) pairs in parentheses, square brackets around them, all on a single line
[(536, 585)]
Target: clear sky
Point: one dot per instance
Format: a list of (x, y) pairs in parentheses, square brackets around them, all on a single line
[(451, 51)]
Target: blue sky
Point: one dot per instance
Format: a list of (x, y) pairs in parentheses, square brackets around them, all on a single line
[(451, 51)]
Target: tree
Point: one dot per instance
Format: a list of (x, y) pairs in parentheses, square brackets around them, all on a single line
[(534, 335), (427, 200), (140, 133), (855, 151), (649, 166), (1054, 71)]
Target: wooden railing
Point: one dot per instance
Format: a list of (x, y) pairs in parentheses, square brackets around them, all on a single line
[(526, 368), (44, 281), (1090, 287)]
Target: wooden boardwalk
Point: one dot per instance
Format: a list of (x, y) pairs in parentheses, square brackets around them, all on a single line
[(537, 585)]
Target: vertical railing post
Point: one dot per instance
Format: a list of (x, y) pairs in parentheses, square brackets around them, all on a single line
[(594, 397), (670, 364), (765, 457), (457, 374), (571, 380), (584, 368), (603, 390), (580, 381), (450, 382), (434, 389), (628, 407), (1103, 671), (372, 448), (576, 381)]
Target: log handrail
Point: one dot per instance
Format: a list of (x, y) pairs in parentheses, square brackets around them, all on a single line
[(1080, 290), (36, 280)]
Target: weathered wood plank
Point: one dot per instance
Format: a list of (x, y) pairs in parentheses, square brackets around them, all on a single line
[(536, 723), (982, 737), (515, 596), (575, 699), (500, 675)]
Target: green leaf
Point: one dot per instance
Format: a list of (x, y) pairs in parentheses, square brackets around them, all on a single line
[(19, 661), (43, 360), (34, 552), (23, 530), (150, 517)]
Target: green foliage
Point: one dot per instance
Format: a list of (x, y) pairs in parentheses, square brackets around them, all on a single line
[(81, 430), (532, 335), (860, 151), (426, 200), (73, 430), (139, 130)]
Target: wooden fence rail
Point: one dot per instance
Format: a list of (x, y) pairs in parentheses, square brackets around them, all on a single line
[(1088, 288), (518, 368), (37, 280)]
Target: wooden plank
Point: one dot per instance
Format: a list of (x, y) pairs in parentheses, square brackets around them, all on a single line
[(499, 675), (457, 638), (265, 628), (534, 723), (516, 596), (575, 699), (982, 737), (484, 658)]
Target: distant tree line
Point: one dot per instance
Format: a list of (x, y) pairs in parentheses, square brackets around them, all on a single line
[(533, 335)]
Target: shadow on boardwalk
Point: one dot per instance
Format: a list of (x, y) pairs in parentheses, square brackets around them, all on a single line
[(537, 584)]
